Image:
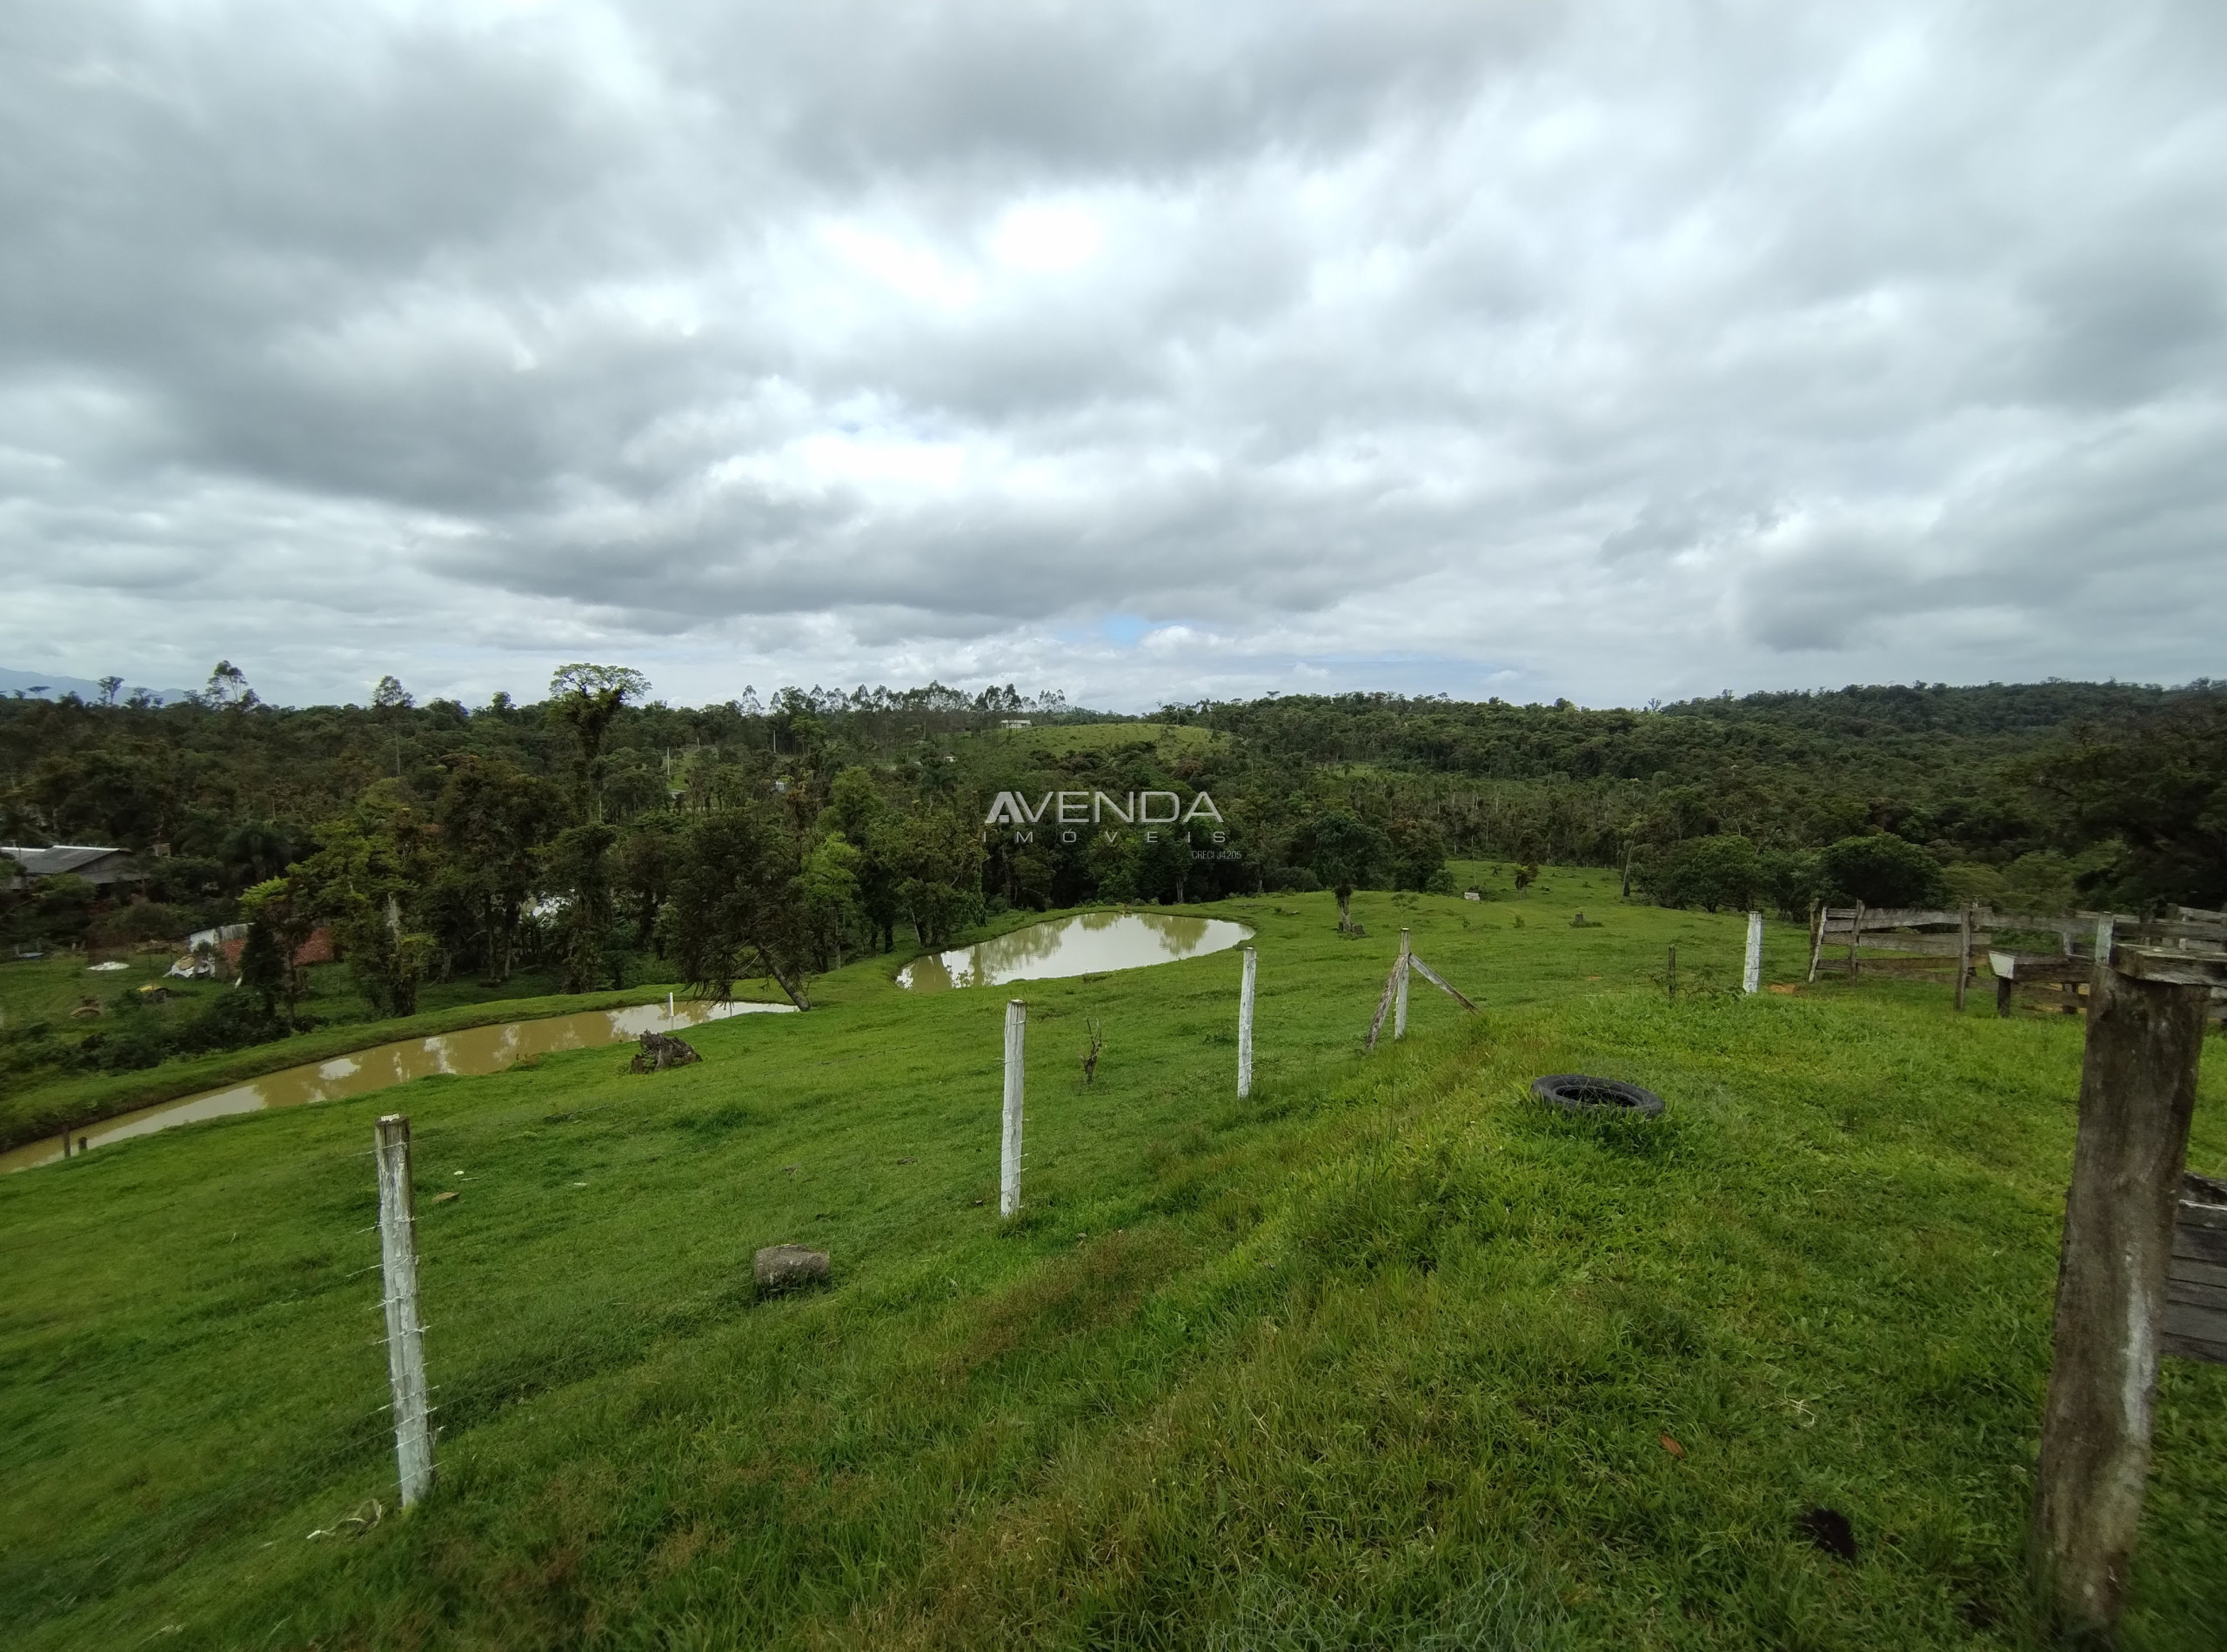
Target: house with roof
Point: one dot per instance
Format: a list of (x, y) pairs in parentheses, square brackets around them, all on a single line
[(97, 865)]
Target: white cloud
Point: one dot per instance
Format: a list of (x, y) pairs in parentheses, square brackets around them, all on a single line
[(1614, 350)]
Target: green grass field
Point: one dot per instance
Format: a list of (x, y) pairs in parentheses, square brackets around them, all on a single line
[(1385, 1356), (1174, 738)]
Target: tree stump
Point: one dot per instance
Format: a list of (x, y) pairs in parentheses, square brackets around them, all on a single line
[(660, 1051)]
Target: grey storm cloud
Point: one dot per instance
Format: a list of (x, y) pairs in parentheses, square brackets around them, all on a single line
[(1611, 349)]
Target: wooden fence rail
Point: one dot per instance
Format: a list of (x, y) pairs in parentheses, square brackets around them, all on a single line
[(1926, 944)]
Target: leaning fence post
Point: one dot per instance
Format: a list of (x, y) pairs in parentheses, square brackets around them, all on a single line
[(1854, 939), (1400, 998), (405, 1347), (1245, 1024), (1009, 1155), (1751, 976), (2137, 1090)]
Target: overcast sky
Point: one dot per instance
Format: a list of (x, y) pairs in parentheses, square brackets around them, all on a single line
[(1606, 350)]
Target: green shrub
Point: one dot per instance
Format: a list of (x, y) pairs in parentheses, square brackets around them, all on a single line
[(1709, 873), (1881, 870)]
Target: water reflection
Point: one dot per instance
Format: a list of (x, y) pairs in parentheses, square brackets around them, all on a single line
[(1086, 945), (475, 1050)]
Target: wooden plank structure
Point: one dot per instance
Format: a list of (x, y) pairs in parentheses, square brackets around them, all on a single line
[(2141, 1271), (1903, 940), (2196, 1274), (1912, 943)]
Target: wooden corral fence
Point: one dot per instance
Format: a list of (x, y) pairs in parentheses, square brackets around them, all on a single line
[(1938, 945)]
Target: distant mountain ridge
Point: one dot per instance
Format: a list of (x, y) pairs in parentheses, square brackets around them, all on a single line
[(47, 685)]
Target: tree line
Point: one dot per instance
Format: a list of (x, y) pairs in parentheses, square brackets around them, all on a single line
[(600, 828)]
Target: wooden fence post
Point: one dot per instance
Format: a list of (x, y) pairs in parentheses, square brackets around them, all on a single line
[(1245, 1024), (1964, 954), (405, 1347), (2138, 1089), (1400, 1000), (1751, 976), (1009, 1152), (1854, 939), (1818, 917), (1384, 1004)]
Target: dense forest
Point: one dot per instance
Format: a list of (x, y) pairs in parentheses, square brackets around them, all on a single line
[(602, 832)]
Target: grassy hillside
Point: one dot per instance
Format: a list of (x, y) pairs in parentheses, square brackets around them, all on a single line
[(1057, 737), (1385, 1356)]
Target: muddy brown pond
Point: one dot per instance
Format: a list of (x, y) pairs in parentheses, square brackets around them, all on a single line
[(1086, 945), (474, 1050)]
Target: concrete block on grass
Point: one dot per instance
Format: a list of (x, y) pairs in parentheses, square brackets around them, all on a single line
[(788, 1267)]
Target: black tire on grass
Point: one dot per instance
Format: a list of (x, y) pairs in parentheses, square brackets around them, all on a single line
[(1575, 1093)]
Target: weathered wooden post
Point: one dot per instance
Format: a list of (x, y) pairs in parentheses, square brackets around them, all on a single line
[(1009, 1154), (1817, 916), (1400, 1000), (2138, 1089), (1751, 975), (1854, 939), (405, 1347), (1245, 1024), (1964, 954)]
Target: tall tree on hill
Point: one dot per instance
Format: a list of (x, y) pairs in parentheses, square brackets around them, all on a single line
[(369, 878), (496, 819), (642, 868), (227, 689), (1418, 856), (586, 700), (1345, 852), (279, 922), (736, 904), (938, 856), (828, 884), (579, 864), (858, 812)]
